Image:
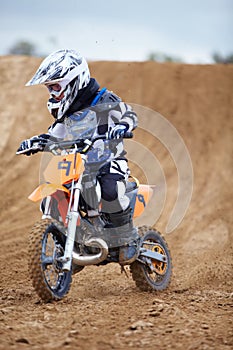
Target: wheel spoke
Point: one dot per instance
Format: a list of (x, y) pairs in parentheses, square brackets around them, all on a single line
[(47, 260)]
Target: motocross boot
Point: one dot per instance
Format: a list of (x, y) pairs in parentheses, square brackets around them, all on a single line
[(123, 224)]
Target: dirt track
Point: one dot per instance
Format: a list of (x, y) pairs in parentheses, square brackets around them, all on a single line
[(104, 310)]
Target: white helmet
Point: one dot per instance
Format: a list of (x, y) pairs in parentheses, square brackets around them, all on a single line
[(65, 70)]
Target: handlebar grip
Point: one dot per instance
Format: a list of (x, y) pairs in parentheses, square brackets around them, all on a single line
[(128, 135)]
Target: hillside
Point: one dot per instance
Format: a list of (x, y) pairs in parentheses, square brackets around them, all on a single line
[(102, 306)]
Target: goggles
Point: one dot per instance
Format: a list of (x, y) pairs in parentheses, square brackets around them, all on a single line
[(56, 89)]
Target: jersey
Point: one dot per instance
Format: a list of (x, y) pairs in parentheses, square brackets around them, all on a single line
[(109, 111)]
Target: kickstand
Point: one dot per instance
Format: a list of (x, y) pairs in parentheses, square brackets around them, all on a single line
[(123, 270)]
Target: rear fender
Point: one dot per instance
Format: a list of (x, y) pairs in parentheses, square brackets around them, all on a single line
[(143, 196)]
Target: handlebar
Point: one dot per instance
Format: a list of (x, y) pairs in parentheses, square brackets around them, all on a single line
[(85, 144)]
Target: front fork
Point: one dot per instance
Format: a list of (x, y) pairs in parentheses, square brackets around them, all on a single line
[(72, 218)]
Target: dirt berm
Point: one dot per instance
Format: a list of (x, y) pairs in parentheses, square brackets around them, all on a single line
[(104, 310)]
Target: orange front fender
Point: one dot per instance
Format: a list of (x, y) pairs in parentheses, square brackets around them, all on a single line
[(45, 190)]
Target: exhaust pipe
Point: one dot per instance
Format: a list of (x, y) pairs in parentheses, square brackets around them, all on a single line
[(92, 259)]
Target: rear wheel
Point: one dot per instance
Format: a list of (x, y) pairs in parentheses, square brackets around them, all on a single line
[(46, 245), (151, 274)]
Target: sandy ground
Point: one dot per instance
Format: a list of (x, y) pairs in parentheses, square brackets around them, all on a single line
[(104, 310)]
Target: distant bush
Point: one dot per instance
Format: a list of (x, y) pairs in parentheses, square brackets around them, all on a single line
[(218, 58), (161, 57), (23, 48)]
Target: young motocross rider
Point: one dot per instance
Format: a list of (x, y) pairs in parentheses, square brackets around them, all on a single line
[(66, 75)]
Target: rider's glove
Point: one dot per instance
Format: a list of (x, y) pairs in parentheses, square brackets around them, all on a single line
[(32, 145), (117, 132)]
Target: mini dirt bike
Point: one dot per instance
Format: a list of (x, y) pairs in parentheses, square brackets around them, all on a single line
[(65, 240)]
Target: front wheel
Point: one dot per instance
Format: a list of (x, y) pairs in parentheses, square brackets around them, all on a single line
[(150, 274), (46, 245)]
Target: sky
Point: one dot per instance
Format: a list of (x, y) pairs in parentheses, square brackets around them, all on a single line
[(122, 30)]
